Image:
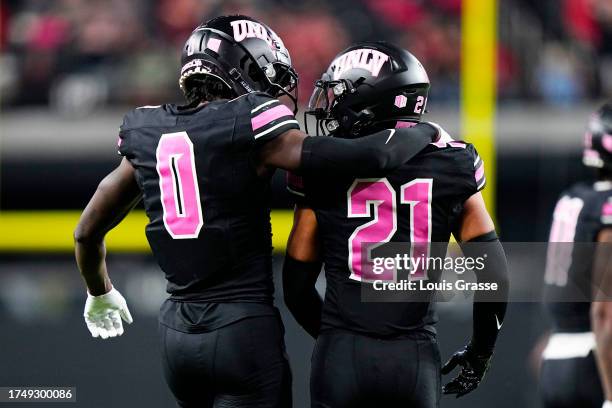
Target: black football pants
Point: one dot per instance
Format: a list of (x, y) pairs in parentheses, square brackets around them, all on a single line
[(571, 383), (240, 365), (355, 371)]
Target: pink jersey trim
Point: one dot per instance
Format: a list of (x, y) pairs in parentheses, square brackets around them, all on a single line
[(400, 125), (270, 115), (479, 172)]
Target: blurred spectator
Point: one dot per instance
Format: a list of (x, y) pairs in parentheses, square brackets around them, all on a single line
[(80, 54), (314, 38), (558, 80)]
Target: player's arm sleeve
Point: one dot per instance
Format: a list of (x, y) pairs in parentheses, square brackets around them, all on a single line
[(301, 269), (489, 306), (124, 142), (300, 293), (372, 155), (270, 118)]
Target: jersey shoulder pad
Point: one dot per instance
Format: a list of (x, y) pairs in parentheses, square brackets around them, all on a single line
[(478, 165), (147, 116), (131, 120), (269, 117), (141, 117), (465, 159)]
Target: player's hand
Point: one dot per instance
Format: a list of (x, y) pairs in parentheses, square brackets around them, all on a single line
[(473, 369), (103, 314)]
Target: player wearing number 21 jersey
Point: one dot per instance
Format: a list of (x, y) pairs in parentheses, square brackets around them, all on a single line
[(378, 353), (577, 272), (203, 171)]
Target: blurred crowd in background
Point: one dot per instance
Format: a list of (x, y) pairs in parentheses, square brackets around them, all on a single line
[(76, 55)]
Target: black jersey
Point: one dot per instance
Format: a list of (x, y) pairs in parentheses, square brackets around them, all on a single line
[(581, 212), (209, 213), (421, 202)]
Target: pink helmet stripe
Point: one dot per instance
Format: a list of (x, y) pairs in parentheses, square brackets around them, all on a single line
[(213, 44)]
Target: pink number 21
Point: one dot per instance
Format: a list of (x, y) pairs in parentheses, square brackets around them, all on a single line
[(378, 195), (178, 183)]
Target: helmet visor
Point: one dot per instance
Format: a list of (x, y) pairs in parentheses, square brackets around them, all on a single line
[(322, 95)]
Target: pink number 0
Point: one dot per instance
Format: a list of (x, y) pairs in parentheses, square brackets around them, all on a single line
[(178, 183), (365, 194)]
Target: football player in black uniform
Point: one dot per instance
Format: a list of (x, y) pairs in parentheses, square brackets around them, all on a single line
[(380, 353), (203, 173), (577, 273)]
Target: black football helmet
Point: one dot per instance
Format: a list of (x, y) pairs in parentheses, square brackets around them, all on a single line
[(598, 139), (368, 84), (245, 54)]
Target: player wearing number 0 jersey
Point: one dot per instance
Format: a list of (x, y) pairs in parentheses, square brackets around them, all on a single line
[(377, 353), (203, 171), (576, 273)]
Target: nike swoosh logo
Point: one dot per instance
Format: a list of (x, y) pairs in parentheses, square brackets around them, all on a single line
[(499, 325), (390, 136)]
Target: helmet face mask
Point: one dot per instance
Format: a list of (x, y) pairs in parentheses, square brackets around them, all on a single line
[(368, 84), (243, 53), (598, 139)]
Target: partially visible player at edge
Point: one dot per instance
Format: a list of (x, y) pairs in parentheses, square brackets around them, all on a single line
[(581, 339), (374, 353), (203, 172)]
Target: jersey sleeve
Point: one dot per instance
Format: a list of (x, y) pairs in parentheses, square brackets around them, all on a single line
[(466, 176), (270, 118), (123, 141)]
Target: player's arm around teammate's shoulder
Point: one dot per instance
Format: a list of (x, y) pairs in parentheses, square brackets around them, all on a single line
[(601, 311), (372, 155), (301, 269), (115, 196), (477, 236)]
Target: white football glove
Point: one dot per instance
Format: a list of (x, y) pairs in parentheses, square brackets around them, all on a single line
[(103, 314)]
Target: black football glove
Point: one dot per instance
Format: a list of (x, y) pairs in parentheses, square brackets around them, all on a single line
[(473, 368)]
